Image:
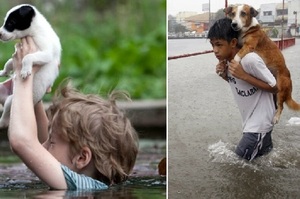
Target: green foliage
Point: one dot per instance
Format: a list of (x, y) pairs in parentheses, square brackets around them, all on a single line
[(274, 33), (120, 45)]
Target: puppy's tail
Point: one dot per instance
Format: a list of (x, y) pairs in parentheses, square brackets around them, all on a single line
[(292, 104)]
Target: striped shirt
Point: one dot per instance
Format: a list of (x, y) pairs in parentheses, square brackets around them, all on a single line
[(77, 181)]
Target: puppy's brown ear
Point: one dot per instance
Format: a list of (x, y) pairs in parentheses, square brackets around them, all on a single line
[(253, 12)]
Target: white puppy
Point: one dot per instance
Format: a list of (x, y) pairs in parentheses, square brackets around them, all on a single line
[(21, 21)]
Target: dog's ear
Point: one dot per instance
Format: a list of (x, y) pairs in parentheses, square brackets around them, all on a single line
[(26, 11), (228, 10), (253, 12)]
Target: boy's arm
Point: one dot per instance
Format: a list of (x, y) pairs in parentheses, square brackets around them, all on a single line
[(23, 129), (237, 71)]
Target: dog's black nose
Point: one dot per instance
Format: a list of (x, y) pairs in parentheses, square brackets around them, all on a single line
[(234, 25)]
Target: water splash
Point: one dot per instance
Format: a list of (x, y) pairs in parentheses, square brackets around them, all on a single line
[(222, 152), (293, 121), (281, 157)]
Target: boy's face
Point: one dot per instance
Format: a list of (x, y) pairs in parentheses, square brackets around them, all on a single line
[(223, 50), (59, 148)]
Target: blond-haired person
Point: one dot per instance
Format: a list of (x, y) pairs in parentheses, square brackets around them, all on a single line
[(89, 142)]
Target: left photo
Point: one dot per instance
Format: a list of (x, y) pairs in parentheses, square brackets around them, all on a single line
[(83, 99)]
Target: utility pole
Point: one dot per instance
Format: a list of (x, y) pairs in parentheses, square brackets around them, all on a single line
[(209, 19), (282, 20), (295, 13)]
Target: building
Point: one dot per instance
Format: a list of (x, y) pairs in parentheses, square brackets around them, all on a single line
[(294, 13), (273, 14), (199, 23), (280, 16), (267, 14), (275, 18), (181, 16)]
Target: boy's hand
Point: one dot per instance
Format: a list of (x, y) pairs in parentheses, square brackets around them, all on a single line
[(236, 69), (23, 48), (221, 68)]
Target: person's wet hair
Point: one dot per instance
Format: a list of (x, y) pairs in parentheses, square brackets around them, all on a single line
[(222, 29)]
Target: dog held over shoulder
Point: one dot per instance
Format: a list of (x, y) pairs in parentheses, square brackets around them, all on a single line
[(253, 38), (21, 21)]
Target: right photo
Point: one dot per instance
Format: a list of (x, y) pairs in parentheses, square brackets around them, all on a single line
[(233, 99)]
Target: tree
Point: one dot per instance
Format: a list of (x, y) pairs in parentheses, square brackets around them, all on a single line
[(219, 14), (171, 23), (180, 28), (216, 16)]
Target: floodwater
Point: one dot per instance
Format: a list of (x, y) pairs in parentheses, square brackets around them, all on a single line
[(17, 181), (204, 126)]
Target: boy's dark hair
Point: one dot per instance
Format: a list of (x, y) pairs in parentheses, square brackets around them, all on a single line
[(222, 29)]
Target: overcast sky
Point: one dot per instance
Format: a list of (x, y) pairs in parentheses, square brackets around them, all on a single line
[(176, 6)]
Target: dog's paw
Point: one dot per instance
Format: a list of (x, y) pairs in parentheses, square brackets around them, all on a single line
[(237, 58), (275, 119), (3, 73), (25, 73)]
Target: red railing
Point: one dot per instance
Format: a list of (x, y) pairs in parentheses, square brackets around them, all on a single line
[(285, 43), (282, 44), (189, 55)]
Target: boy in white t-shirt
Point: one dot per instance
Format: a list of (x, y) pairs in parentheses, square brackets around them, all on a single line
[(253, 87)]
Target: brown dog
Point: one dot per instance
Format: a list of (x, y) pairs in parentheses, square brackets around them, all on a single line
[(253, 38)]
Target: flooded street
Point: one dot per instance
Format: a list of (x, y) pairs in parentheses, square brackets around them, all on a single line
[(204, 126)]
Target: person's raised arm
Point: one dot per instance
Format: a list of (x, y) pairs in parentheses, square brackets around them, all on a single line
[(41, 121), (23, 128)]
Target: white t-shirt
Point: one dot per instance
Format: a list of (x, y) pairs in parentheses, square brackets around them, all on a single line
[(256, 106)]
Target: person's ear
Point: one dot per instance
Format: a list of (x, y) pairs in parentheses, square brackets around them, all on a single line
[(83, 158), (234, 42)]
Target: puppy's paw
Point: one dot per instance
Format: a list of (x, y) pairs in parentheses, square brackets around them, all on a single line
[(3, 73), (25, 73)]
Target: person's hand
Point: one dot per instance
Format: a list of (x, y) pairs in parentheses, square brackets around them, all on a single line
[(236, 69), (221, 68), (23, 48)]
